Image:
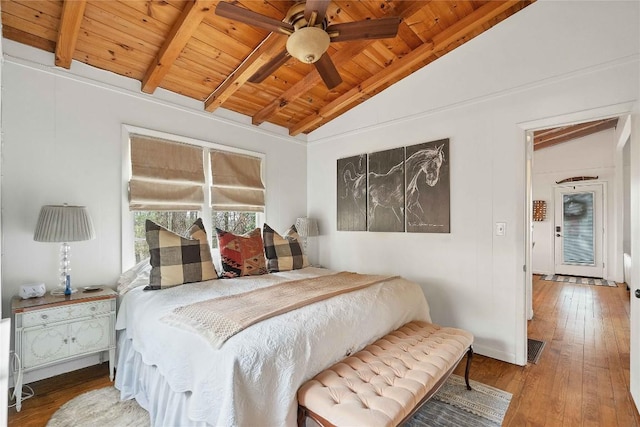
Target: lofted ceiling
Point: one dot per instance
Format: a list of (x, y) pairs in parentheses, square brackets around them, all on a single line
[(550, 137), (186, 48)]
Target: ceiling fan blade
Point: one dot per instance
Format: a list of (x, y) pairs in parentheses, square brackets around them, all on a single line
[(370, 29), (318, 6), (271, 66), (237, 13), (328, 71)]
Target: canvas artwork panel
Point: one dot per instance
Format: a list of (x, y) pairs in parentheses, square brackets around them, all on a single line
[(386, 190), (352, 193), (427, 187)]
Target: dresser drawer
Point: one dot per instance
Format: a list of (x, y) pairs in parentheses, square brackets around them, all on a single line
[(59, 314)]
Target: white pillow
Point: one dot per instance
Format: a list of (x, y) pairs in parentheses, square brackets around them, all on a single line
[(138, 275)]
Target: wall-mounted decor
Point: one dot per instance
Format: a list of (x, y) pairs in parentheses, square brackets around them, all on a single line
[(539, 210), (386, 190), (427, 187), (577, 178), (352, 193), (402, 189)]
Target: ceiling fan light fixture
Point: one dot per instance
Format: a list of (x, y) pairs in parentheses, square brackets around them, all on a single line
[(308, 44)]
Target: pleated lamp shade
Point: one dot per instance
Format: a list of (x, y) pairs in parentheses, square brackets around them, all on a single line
[(306, 227), (63, 224)]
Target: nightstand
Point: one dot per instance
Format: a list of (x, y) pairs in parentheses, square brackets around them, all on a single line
[(55, 329)]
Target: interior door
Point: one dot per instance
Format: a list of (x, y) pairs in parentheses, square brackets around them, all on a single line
[(635, 261), (579, 230)]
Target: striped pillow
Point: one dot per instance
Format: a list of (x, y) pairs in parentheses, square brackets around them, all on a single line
[(176, 260), (283, 253)]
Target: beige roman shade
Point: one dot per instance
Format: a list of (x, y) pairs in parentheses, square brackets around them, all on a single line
[(236, 182), (165, 175)]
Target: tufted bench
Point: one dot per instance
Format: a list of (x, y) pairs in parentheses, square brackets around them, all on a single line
[(388, 381)]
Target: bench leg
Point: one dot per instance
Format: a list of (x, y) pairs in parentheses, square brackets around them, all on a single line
[(302, 414), (468, 368)]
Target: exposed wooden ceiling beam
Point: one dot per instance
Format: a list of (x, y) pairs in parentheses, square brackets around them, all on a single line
[(28, 38), (270, 46), (180, 34), (551, 133), (313, 78), (559, 135), (439, 42), (72, 13)]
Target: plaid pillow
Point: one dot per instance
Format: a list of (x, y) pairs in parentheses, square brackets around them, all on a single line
[(283, 253), (241, 255), (176, 260)]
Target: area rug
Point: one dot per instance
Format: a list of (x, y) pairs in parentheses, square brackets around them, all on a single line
[(455, 406), (452, 406), (579, 280), (102, 408), (534, 350)]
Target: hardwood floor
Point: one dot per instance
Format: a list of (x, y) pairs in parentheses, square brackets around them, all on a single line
[(582, 377)]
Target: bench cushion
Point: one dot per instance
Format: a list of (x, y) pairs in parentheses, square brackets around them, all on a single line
[(381, 384)]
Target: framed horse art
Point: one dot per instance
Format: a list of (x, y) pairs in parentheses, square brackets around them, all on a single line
[(396, 190)]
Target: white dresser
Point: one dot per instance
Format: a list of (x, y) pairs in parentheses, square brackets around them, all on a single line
[(55, 329)]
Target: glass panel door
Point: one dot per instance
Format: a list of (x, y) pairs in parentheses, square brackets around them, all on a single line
[(579, 230), (578, 226)]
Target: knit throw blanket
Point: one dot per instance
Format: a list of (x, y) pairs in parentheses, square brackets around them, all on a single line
[(221, 318)]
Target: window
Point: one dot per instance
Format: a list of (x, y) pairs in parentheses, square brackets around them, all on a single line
[(179, 222), (233, 221), (173, 180)]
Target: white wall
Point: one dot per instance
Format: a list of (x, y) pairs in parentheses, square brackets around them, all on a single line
[(592, 155), (551, 59), (62, 143), (5, 324)]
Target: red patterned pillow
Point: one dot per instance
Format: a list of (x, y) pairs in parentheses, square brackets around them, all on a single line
[(242, 255)]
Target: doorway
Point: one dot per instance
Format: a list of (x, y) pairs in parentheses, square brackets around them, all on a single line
[(579, 230), (532, 229)]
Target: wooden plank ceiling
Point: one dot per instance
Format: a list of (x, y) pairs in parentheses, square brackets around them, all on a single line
[(184, 47), (550, 137)]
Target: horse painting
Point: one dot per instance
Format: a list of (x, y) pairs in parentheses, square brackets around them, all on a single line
[(386, 190), (352, 193), (403, 189), (428, 162), (427, 195)]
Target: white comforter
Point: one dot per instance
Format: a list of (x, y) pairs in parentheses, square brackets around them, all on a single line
[(253, 378)]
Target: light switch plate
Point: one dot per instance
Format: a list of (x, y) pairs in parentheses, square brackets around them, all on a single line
[(501, 228)]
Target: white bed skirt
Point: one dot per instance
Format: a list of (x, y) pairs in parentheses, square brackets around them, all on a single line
[(137, 380)]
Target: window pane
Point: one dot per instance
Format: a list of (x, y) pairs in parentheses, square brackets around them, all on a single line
[(178, 222), (233, 221)]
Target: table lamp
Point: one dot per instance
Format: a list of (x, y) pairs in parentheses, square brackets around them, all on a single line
[(306, 227), (64, 224)]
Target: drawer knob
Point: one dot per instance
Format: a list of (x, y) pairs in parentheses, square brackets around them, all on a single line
[(93, 308), (73, 339), (65, 340), (44, 316)]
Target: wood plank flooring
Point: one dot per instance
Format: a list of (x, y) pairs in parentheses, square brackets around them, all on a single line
[(581, 379)]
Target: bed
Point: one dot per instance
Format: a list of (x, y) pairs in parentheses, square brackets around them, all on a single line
[(182, 379)]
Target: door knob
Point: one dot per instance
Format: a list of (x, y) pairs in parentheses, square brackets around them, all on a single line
[(637, 293), (557, 235)]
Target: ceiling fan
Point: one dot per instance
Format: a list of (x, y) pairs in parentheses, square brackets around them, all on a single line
[(309, 35)]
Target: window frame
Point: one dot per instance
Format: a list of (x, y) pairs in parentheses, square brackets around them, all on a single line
[(127, 222)]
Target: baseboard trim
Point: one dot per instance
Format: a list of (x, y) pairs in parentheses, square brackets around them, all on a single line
[(62, 368)]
